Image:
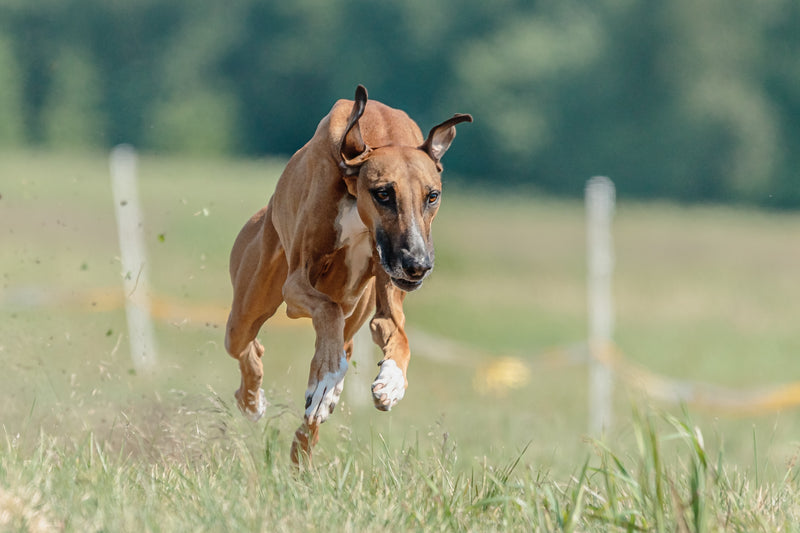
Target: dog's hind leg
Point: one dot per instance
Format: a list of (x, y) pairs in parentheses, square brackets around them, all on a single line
[(305, 438), (258, 270)]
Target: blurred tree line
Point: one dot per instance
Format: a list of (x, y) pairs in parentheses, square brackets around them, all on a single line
[(686, 99)]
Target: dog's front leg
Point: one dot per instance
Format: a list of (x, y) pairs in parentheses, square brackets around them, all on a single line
[(388, 333), (329, 364)]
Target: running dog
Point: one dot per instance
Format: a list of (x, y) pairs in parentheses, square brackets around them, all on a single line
[(348, 230)]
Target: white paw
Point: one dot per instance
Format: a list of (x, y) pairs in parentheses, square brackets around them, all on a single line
[(260, 408), (322, 397), (389, 387)]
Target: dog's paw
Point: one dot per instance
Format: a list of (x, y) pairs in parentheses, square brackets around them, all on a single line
[(253, 409), (322, 397), (389, 386)]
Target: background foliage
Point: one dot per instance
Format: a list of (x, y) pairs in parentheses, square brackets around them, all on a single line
[(697, 101)]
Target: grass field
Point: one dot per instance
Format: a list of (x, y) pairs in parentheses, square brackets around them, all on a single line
[(705, 294)]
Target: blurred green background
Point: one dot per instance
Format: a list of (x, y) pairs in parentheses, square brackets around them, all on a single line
[(688, 100), (681, 103), (702, 294)]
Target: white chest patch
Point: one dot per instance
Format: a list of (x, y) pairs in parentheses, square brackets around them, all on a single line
[(349, 222), (355, 236)]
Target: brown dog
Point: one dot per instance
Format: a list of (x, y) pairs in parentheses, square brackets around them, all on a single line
[(347, 230)]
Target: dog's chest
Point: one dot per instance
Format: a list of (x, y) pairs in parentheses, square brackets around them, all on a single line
[(353, 238), (349, 224), (346, 277)]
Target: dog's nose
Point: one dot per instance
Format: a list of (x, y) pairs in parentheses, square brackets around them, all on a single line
[(417, 268)]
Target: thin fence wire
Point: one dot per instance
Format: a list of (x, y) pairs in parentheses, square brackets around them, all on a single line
[(494, 374)]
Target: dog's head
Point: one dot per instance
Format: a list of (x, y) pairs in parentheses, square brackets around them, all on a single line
[(398, 191)]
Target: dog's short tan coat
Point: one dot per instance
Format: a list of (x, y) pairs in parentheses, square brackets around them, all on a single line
[(348, 230)]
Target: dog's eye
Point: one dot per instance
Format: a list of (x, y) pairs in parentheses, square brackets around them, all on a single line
[(433, 197), (383, 196)]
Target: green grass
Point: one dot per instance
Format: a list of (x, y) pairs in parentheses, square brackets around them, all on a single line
[(215, 475), (702, 293)]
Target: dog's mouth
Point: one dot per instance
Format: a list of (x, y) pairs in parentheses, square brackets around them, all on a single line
[(405, 281), (406, 285)]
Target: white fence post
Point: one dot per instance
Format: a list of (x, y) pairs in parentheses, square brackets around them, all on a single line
[(132, 255), (600, 200)]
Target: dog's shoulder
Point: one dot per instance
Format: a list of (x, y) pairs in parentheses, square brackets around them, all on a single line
[(380, 125)]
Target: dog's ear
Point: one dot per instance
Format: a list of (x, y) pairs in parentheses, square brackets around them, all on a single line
[(441, 136), (354, 150)]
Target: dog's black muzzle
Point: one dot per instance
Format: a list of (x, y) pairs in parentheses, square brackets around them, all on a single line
[(406, 267)]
